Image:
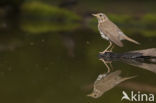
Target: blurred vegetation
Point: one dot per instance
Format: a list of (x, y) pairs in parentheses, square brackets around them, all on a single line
[(41, 10), (37, 27), (39, 17)]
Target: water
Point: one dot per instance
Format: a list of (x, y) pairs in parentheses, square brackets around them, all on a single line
[(63, 66)]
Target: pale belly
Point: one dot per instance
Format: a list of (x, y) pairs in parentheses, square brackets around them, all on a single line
[(103, 36)]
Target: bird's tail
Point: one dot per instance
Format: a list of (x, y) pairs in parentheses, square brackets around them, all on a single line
[(131, 40)]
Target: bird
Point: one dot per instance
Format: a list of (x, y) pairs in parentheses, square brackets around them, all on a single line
[(111, 32)]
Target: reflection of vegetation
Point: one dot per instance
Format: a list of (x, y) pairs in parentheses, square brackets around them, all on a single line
[(42, 26), (144, 25), (47, 18), (1, 12)]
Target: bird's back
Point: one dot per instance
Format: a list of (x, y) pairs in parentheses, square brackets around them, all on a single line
[(114, 33)]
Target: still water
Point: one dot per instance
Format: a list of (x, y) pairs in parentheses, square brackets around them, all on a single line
[(62, 67)]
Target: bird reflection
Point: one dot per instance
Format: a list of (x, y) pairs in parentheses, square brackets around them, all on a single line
[(145, 59), (141, 64), (109, 67), (107, 81)]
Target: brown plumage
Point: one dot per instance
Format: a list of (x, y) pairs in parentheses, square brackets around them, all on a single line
[(111, 32)]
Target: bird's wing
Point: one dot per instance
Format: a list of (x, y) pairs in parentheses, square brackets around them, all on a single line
[(111, 31)]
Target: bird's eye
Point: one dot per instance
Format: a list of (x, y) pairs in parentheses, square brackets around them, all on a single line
[(100, 15)]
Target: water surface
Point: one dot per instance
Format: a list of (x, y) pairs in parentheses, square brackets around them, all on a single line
[(63, 66)]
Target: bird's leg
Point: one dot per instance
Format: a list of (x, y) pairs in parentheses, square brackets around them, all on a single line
[(106, 48), (108, 68), (111, 48), (111, 65)]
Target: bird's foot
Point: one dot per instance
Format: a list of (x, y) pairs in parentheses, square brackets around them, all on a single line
[(104, 52), (101, 52)]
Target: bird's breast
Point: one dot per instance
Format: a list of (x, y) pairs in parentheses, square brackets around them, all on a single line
[(103, 35)]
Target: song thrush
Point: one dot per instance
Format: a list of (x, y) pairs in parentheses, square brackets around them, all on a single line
[(111, 32)]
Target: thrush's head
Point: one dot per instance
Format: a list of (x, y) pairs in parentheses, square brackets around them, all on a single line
[(101, 17)]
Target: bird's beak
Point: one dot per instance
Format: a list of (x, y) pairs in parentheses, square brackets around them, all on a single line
[(89, 95), (94, 14)]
